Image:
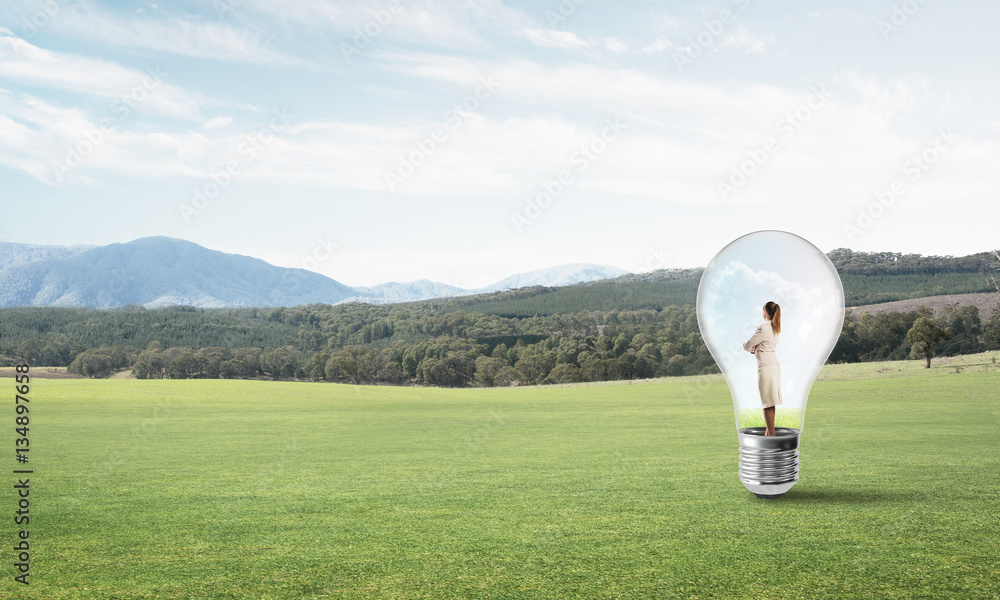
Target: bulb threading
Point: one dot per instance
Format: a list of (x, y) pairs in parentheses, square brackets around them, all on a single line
[(769, 465)]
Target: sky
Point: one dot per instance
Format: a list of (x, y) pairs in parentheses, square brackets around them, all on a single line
[(467, 140)]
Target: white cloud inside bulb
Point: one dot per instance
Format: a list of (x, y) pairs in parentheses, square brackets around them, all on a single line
[(803, 308)]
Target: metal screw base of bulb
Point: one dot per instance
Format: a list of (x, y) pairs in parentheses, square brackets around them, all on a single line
[(769, 464)]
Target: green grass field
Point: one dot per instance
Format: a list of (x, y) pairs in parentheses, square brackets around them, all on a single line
[(236, 489)]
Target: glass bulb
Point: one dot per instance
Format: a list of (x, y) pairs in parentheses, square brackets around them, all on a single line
[(757, 268)]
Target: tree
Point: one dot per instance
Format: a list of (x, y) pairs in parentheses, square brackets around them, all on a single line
[(92, 364), (392, 373), (506, 376), (675, 366), (846, 350), (209, 360), (439, 372), (348, 362), (966, 330), (500, 351), (991, 331), (412, 358), (993, 272), (149, 365), (487, 369), (281, 361), (924, 334), (247, 361), (564, 373), (533, 368), (369, 365), (183, 364), (315, 367), (235, 368)]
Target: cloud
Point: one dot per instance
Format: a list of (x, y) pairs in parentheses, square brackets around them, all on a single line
[(551, 38), (37, 137), (688, 136), (170, 35), (42, 138), (616, 45), (658, 45), (437, 23), (218, 123), (683, 137), (745, 41), (185, 38), (28, 64), (661, 20), (840, 161), (393, 93), (596, 85), (735, 282), (893, 98)]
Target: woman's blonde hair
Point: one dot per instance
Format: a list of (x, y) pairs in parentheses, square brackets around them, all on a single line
[(774, 311)]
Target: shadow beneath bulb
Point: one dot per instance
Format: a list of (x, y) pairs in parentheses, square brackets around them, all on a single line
[(847, 496)]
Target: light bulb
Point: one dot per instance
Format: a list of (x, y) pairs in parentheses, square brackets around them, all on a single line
[(752, 270)]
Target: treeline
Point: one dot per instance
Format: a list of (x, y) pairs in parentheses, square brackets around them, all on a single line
[(135, 327), (850, 262), (526, 336), (461, 349), (367, 344), (876, 277), (656, 290), (876, 289), (868, 278), (883, 336)]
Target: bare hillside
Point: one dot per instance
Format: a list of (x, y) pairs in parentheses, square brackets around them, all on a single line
[(987, 302)]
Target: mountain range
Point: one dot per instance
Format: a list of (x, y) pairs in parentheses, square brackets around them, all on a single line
[(162, 271)]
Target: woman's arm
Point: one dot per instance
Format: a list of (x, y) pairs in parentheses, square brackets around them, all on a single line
[(751, 344)]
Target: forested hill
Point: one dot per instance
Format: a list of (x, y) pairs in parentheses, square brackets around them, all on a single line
[(631, 326), (645, 291), (895, 263), (874, 277), (868, 277)]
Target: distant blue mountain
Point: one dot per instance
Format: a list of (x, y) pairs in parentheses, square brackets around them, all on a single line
[(422, 289), (553, 277), (161, 271), (18, 254)]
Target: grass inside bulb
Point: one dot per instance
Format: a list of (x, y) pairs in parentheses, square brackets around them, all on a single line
[(761, 267)]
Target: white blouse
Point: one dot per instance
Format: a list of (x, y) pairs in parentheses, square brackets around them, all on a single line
[(765, 339)]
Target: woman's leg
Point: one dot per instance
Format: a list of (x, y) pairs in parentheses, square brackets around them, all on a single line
[(769, 420)]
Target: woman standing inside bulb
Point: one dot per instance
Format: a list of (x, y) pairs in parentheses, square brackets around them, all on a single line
[(762, 345)]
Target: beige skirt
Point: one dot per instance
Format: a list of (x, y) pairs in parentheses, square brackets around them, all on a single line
[(769, 383)]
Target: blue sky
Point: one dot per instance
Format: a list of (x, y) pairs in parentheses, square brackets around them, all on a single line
[(464, 141)]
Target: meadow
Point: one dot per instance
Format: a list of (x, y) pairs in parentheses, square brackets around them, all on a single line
[(252, 489)]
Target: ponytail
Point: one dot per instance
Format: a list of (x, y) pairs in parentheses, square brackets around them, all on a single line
[(774, 311)]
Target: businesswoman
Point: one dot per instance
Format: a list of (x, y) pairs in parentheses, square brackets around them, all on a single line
[(762, 345)]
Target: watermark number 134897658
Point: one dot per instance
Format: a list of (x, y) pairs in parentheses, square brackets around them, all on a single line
[(22, 445)]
